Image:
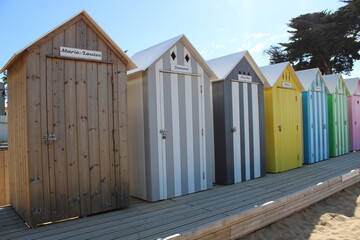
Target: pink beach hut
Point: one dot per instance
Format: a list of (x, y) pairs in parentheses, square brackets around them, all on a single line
[(353, 84)]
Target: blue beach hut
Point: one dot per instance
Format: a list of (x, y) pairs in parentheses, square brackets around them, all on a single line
[(315, 116)]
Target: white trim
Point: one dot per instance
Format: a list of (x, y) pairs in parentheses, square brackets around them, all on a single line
[(256, 131), (189, 134), (236, 134), (202, 132), (246, 131)]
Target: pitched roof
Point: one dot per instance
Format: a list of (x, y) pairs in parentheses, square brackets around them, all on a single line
[(332, 81), (273, 72), (83, 15), (351, 84), (145, 58), (308, 76), (223, 66)]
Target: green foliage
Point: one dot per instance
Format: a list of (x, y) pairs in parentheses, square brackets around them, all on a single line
[(329, 41), (4, 80)]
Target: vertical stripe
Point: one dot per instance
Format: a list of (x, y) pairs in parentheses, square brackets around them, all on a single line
[(246, 131), (160, 125), (311, 112), (202, 134), (176, 133), (256, 131), (236, 134), (189, 134), (316, 127)]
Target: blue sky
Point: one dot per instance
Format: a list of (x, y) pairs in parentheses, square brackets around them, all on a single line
[(215, 28)]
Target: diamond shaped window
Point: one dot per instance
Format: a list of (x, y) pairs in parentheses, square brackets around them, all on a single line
[(187, 58), (173, 56)]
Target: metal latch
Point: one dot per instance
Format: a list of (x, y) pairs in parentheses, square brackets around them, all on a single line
[(50, 138), (280, 128), (163, 132), (233, 129)]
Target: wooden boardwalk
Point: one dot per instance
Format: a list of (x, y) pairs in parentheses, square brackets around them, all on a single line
[(224, 212)]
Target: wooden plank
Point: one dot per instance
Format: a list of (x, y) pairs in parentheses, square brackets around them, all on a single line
[(104, 132), (57, 109), (2, 179), (50, 65), (82, 123), (34, 133), (71, 127), (124, 164), (44, 50), (111, 147), (7, 177), (116, 131), (93, 127)]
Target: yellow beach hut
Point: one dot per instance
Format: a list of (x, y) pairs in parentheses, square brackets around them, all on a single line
[(283, 118)]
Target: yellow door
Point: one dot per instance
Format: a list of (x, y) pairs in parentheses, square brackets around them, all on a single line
[(288, 135)]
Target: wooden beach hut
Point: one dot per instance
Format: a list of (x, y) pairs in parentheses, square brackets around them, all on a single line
[(238, 111), (170, 121), (315, 115), (67, 124), (338, 115), (283, 118), (353, 84)]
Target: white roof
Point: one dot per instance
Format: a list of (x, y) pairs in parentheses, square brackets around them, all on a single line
[(332, 81), (308, 76), (145, 58), (351, 84), (223, 66), (148, 56), (273, 72)]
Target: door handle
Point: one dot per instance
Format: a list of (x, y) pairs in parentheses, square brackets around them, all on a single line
[(163, 133), (280, 128), (233, 129)]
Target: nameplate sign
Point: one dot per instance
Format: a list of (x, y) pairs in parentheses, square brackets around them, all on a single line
[(244, 78), (340, 91), (358, 93), (80, 53), (286, 85), (317, 88), (181, 68)]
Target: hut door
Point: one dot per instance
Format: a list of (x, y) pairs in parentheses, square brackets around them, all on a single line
[(288, 128), (181, 134), (246, 131), (356, 131), (80, 137)]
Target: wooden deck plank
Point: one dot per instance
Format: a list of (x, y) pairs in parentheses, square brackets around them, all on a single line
[(226, 209)]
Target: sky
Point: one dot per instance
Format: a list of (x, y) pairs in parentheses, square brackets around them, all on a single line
[(215, 27)]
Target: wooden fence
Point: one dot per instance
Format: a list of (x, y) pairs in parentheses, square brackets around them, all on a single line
[(4, 178)]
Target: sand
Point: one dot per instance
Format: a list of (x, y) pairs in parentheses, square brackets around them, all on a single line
[(337, 217)]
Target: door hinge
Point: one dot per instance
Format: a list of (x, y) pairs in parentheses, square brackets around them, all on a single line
[(203, 175), (202, 132), (49, 138), (297, 127), (296, 98), (310, 96), (201, 89), (312, 155), (298, 157)]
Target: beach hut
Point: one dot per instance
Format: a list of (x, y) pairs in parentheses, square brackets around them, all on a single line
[(283, 118), (338, 115), (170, 121), (353, 84), (67, 124), (315, 115), (238, 111)]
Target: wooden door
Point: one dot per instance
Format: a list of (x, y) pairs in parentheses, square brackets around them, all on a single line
[(80, 119), (246, 131)]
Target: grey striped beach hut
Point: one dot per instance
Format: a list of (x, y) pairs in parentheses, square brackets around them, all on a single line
[(238, 110), (170, 123)]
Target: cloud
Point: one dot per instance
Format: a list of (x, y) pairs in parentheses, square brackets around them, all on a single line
[(258, 47)]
